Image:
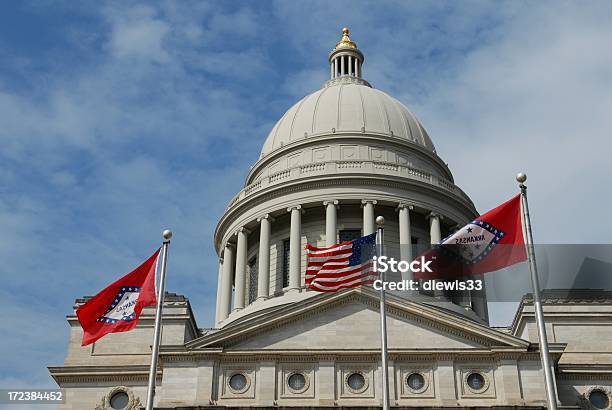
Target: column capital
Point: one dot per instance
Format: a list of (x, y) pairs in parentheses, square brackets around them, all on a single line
[(230, 245), (330, 202), (242, 229), (295, 207), (369, 201), (404, 205), (434, 214), (266, 216)]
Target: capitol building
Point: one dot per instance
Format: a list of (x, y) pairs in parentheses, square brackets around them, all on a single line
[(334, 161)]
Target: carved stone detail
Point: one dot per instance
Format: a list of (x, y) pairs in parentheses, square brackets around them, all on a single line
[(133, 401)]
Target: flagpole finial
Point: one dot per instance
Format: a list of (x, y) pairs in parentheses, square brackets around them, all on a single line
[(167, 234), (380, 220), (521, 177)]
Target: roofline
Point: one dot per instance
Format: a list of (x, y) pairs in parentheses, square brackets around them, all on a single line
[(427, 313), (560, 296)]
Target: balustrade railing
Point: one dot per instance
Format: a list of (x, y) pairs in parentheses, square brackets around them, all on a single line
[(340, 166)]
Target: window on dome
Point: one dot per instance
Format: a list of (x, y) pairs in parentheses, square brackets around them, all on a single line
[(252, 279), (414, 246), (349, 234), (285, 263)]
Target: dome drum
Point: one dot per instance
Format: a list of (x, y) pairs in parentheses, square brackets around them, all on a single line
[(350, 147), (350, 221)]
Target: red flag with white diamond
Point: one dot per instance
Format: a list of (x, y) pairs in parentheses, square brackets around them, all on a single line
[(490, 242), (117, 308)]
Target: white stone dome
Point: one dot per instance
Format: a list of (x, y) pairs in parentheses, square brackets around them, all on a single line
[(346, 105)]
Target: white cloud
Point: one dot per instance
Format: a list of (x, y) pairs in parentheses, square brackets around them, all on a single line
[(538, 99), (137, 33)]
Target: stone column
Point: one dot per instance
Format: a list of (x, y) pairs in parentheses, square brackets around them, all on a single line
[(350, 65), (241, 268), (435, 234), (405, 236), (331, 65), (219, 290), (369, 226), (226, 283), (331, 222), (263, 259), (341, 65), (295, 247), (335, 67)]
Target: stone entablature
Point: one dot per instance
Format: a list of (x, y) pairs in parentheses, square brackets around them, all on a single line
[(388, 187), (326, 378)]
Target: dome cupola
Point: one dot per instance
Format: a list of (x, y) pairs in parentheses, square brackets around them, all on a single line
[(345, 58)]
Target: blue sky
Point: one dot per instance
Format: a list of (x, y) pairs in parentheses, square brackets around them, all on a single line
[(117, 121)]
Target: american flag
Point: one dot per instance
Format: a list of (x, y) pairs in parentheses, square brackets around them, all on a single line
[(345, 265)]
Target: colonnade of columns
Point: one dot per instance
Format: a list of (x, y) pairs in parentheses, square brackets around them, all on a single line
[(345, 65), (235, 255)]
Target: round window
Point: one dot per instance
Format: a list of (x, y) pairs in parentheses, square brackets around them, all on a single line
[(415, 381), (356, 381), (599, 399), (476, 381), (238, 381), (296, 381), (119, 400)]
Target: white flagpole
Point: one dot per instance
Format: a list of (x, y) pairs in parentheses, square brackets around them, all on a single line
[(551, 392), (380, 221), (167, 234)]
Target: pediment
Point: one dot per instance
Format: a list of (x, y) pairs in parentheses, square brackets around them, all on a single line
[(351, 321)]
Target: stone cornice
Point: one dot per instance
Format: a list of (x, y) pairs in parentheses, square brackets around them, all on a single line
[(299, 311), (567, 297), (101, 374), (348, 355), (347, 180), (590, 368)]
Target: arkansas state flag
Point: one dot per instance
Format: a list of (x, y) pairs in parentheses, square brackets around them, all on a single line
[(117, 308), (490, 242)]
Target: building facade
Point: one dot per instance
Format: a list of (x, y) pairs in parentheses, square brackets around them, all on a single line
[(335, 160)]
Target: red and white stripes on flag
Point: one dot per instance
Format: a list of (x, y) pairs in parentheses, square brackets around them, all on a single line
[(345, 265)]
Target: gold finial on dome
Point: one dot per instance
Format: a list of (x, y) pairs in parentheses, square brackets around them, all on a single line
[(346, 41)]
